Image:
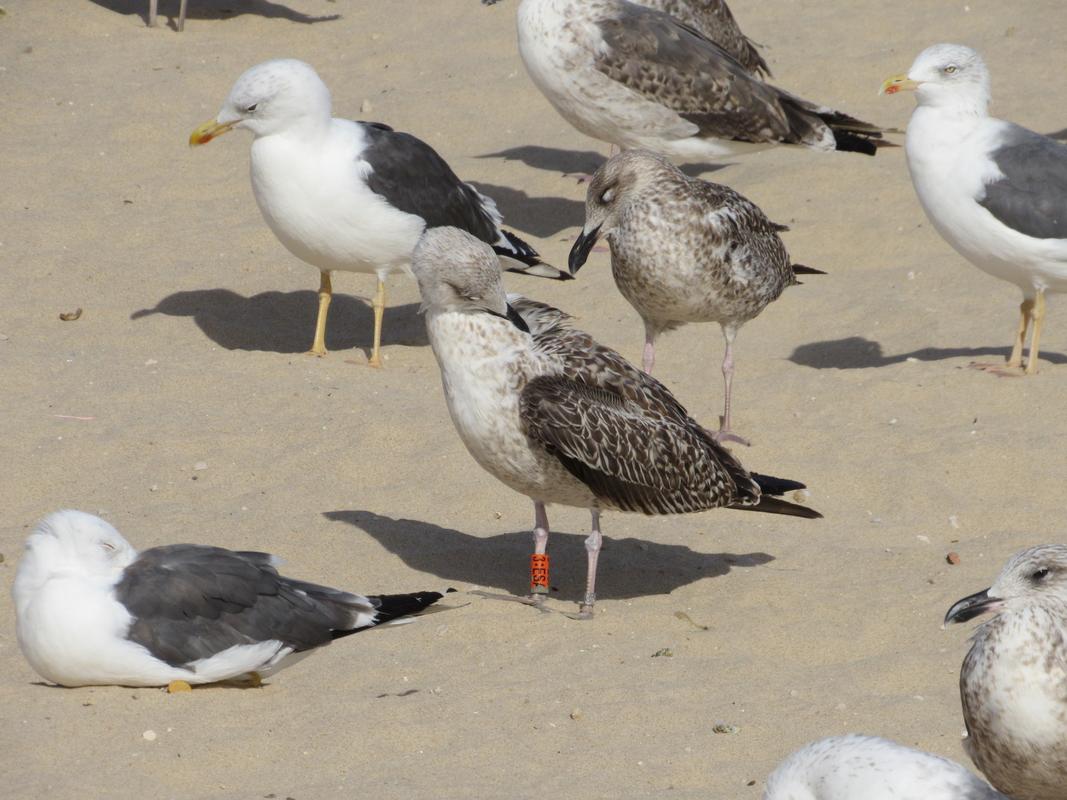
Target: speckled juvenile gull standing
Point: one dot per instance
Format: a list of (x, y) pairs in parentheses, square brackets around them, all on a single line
[(855, 767), (350, 196), (684, 250), (1014, 679), (557, 417), (714, 20), (635, 77), (91, 610), (995, 191)]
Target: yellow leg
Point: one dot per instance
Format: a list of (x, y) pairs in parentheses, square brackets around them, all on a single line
[(379, 312), (318, 348), (178, 686), (1025, 310), (1038, 315)]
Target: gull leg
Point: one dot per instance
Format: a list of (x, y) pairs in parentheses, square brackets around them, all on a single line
[(724, 433), (648, 360), (181, 15), (1038, 315), (318, 348), (1015, 360), (153, 6), (592, 551), (539, 559), (379, 312)]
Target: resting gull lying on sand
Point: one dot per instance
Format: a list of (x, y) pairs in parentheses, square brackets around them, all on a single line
[(91, 610), (557, 417), (857, 767), (350, 196), (995, 191), (684, 250), (1014, 679)]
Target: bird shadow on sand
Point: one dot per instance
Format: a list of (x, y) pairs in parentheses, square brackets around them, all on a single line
[(283, 322), (537, 216), (555, 159), (214, 10), (628, 567), (855, 352)]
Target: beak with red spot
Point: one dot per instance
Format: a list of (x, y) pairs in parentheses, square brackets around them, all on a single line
[(210, 130), (898, 83)]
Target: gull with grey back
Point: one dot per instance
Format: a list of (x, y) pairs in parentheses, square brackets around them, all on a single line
[(350, 196), (555, 416), (91, 610), (635, 76), (994, 190), (855, 767), (684, 250), (1013, 684)]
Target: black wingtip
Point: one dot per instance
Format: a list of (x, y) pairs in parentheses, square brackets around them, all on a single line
[(801, 269), (394, 606), (768, 484), (775, 505)]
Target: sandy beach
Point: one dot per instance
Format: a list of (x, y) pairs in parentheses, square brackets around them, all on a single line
[(181, 407)]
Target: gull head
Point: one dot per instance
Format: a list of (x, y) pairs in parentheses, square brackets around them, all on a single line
[(618, 180), (457, 272), (268, 98), (74, 544), (945, 75), (1037, 576)]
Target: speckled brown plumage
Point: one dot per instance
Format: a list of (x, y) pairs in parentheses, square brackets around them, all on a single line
[(1013, 684)]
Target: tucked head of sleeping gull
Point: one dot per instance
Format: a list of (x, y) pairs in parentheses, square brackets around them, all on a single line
[(1013, 684), (855, 767), (91, 610), (350, 196), (994, 190)]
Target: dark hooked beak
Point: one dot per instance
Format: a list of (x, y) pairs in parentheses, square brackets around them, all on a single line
[(971, 607), (580, 250)]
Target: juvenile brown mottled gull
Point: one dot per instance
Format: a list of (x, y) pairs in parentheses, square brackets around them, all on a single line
[(636, 77), (855, 767), (557, 417), (91, 610), (995, 191), (1013, 684), (684, 250), (350, 196)]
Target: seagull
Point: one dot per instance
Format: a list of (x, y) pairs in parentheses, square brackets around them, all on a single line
[(684, 250), (91, 610), (633, 76), (855, 767), (713, 19), (1014, 679), (350, 196), (994, 190), (557, 417)]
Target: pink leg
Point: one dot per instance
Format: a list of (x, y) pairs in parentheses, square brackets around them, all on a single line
[(592, 551), (539, 561), (649, 359), (724, 433)]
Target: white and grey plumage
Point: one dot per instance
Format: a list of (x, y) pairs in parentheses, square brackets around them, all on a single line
[(350, 196), (1013, 684), (855, 767), (636, 77), (713, 19), (556, 416), (995, 191), (684, 250), (91, 610)]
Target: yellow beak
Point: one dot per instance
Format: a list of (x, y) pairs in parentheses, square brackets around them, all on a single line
[(898, 83), (208, 131)]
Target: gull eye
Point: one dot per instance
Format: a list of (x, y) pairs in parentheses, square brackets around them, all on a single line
[(951, 69), (607, 195), (252, 108), (1039, 574), (107, 546), (477, 298)]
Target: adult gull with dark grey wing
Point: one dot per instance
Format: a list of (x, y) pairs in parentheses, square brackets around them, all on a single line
[(350, 196), (994, 190), (91, 610)]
